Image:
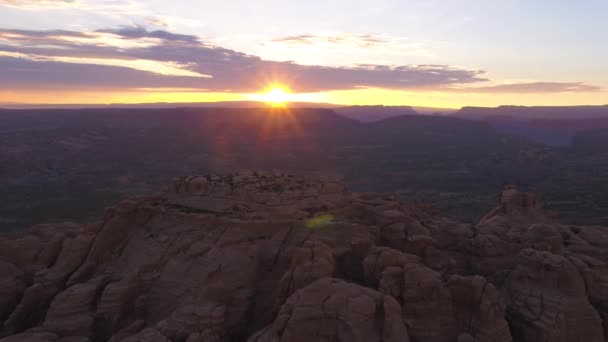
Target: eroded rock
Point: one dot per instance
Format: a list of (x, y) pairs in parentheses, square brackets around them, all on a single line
[(333, 310), (267, 256), (546, 300)]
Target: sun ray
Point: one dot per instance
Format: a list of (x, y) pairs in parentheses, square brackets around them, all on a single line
[(276, 95)]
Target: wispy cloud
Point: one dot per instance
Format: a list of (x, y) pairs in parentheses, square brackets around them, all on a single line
[(123, 11), (361, 40), (532, 87), (40, 4), (358, 44), (116, 6), (164, 59), (156, 22)]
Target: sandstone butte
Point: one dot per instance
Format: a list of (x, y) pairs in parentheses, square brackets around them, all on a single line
[(236, 258)]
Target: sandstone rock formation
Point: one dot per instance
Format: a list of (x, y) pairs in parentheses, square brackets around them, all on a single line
[(266, 256)]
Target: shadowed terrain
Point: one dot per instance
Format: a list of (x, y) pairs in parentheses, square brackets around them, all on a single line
[(65, 165)]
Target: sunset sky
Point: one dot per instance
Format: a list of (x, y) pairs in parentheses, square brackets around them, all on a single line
[(448, 53)]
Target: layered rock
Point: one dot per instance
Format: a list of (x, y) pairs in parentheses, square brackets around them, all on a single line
[(313, 261), (547, 300), (333, 310), (502, 233), (266, 256), (479, 311)]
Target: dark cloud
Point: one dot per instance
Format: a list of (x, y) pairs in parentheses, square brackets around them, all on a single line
[(534, 87), (20, 73), (30, 35), (136, 32), (38, 59)]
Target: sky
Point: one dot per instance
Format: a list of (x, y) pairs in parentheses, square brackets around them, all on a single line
[(448, 53)]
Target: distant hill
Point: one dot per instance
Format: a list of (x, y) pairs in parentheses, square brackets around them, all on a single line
[(550, 125), (377, 113), (374, 113), (51, 160), (65, 164), (538, 112)]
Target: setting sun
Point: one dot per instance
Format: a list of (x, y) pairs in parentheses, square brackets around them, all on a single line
[(275, 96)]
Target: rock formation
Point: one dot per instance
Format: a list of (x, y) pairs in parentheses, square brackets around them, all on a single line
[(266, 256)]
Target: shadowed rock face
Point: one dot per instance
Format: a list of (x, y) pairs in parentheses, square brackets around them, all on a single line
[(260, 256)]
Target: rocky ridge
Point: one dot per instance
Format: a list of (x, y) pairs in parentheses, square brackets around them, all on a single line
[(265, 256)]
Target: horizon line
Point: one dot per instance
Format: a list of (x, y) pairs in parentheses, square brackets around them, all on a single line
[(244, 103)]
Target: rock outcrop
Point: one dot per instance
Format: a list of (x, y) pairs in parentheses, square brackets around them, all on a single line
[(266, 256), (334, 310)]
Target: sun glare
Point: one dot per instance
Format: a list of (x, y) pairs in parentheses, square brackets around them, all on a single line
[(276, 96)]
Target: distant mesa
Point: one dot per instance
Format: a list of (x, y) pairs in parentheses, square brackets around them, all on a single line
[(549, 125)]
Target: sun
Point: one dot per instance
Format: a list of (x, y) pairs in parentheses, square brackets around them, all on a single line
[(276, 96)]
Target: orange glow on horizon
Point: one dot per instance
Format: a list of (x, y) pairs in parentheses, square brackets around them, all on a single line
[(366, 96), (277, 95)]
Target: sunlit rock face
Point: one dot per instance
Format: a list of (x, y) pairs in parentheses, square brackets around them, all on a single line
[(267, 256)]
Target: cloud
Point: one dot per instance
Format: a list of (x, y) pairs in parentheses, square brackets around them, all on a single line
[(125, 9), (114, 58), (348, 44), (156, 22), (135, 12), (20, 73), (532, 87), (361, 40), (134, 58), (40, 4), (138, 32)]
